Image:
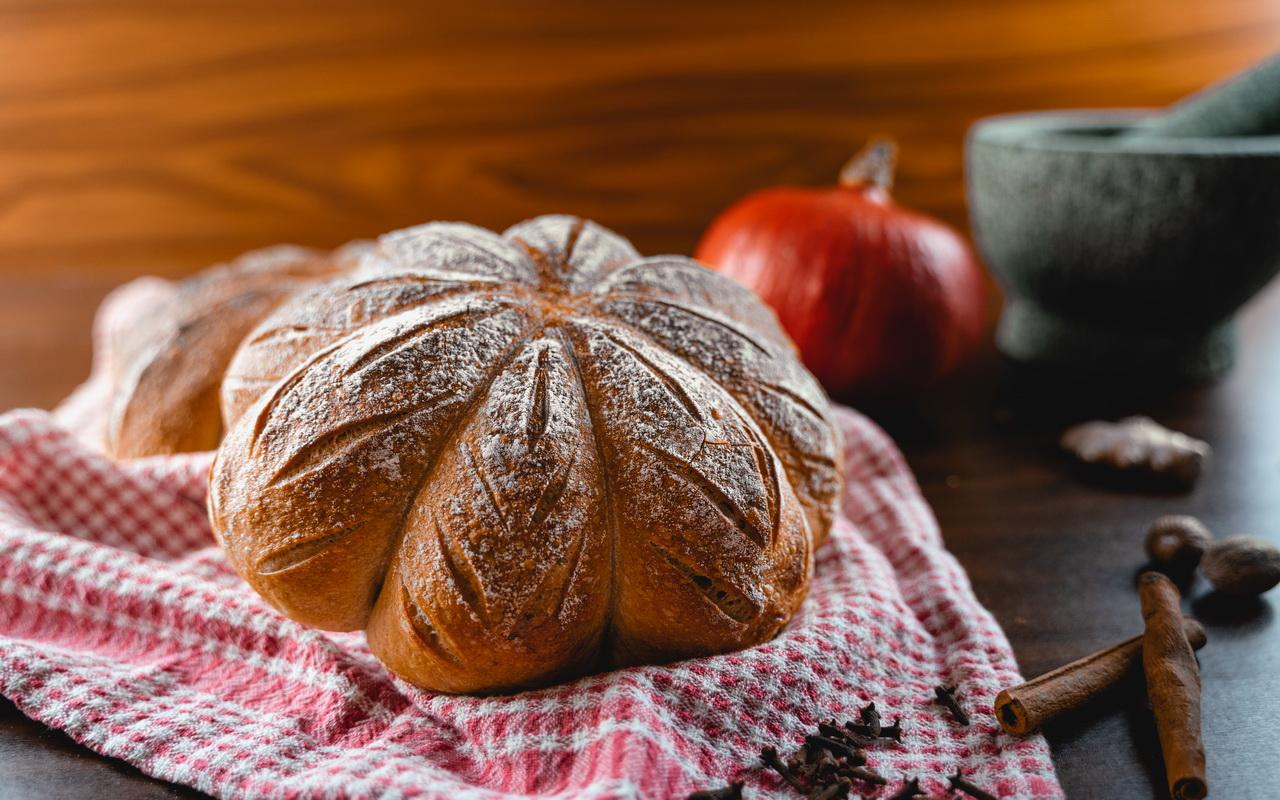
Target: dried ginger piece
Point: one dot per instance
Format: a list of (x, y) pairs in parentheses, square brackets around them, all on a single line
[(1141, 445)]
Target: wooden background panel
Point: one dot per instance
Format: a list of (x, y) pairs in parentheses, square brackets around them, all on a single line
[(158, 136), (152, 136)]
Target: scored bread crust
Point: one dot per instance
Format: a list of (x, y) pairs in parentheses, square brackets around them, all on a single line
[(515, 458), (165, 372)]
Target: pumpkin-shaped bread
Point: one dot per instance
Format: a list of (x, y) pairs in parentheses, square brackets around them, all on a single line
[(515, 458), (165, 372)]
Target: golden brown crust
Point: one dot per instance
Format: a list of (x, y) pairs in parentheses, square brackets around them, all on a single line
[(167, 370), (509, 458)]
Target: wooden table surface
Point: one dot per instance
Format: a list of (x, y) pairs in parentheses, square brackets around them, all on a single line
[(1055, 558), (1052, 557)]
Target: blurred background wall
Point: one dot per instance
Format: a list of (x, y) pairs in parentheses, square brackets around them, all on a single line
[(156, 136)]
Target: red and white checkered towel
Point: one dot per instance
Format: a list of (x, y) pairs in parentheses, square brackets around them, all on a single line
[(121, 624)]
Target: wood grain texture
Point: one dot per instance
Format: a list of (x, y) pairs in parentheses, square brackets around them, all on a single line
[(140, 136), (148, 136)]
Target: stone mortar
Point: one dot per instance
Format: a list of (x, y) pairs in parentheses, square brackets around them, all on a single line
[(1122, 254)]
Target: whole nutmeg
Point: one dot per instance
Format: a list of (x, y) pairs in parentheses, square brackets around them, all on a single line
[(1243, 565), (1177, 540)]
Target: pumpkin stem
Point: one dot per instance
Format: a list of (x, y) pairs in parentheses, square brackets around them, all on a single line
[(873, 166)]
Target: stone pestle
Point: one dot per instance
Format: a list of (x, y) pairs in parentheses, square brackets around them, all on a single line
[(1246, 104)]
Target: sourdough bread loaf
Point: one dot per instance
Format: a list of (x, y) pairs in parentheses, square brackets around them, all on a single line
[(512, 458), (166, 372)]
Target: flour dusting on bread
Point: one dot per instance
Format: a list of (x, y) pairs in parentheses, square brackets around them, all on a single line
[(513, 458)]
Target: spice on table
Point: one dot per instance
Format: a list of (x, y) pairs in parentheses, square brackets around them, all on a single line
[(1173, 686), (769, 756), (856, 741), (946, 695), (893, 731), (1024, 708), (1138, 446), (871, 718), (827, 764), (864, 774), (821, 768), (834, 745), (1242, 565), (831, 791), (1177, 541), (909, 790), (798, 762), (961, 784), (731, 792)]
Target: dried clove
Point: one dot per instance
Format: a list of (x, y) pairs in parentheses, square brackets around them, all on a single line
[(831, 791), (909, 790), (960, 784), (825, 766), (799, 760), (946, 695), (831, 730), (893, 731), (864, 774), (835, 746), (731, 792), (812, 764), (871, 718), (769, 756), (853, 751)]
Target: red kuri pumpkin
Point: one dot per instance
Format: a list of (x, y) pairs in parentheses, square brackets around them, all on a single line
[(880, 300)]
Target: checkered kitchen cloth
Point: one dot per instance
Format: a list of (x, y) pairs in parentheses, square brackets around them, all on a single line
[(121, 624)]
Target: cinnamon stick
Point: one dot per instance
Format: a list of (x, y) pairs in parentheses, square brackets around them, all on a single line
[(1173, 685), (1024, 708)]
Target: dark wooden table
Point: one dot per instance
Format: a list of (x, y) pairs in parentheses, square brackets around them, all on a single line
[(1053, 558)]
